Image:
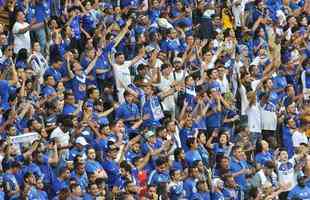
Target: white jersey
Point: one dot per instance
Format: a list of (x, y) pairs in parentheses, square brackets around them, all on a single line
[(168, 103), (21, 40), (286, 173)]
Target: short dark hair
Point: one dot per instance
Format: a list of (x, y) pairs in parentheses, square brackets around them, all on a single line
[(126, 166), (118, 54), (57, 59), (235, 148), (270, 164)]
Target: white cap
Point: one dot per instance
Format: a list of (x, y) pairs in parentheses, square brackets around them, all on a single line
[(162, 22), (177, 59), (81, 140)]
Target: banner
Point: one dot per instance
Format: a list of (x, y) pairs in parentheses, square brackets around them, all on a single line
[(25, 138)]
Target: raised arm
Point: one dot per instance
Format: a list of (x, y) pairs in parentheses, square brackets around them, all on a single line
[(138, 57), (14, 78), (92, 63), (70, 73), (209, 142), (122, 34)]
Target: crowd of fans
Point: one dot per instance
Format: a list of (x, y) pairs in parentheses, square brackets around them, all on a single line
[(155, 99)]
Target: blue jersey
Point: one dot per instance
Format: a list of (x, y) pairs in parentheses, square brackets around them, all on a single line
[(263, 157), (113, 171), (299, 193), (78, 86), (75, 26), (237, 166), (156, 178), (10, 184)]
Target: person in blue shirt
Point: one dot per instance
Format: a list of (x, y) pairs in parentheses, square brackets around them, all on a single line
[(69, 107), (89, 18), (128, 111), (222, 167), (192, 155), (111, 166), (179, 162), (287, 133), (153, 145), (186, 132), (175, 187), (79, 148), (92, 165), (4, 95), (190, 95), (133, 152), (30, 191), (152, 110), (231, 190), (214, 114), (203, 192), (128, 173), (173, 43), (190, 183), (48, 89), (40, 188), (202, 141), (61, 181), (263, 153), (223, 146), (74, 23), (301, 191), (53, 70), (160, 174), (78, 76), (42, 12), (90, 54), (11, 186), (80, 175), (93, 192), (239, 167), (154, 11)]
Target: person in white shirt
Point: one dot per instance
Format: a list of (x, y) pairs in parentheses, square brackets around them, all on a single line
[(165, 83), (21, 32), (179, 73), (299, 138), (254, 118), (285, 170), (38, 61), (269, 119), (224, 83), (122, 72), (238, 7), (305, 79)]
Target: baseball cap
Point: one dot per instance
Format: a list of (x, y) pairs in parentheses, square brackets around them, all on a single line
[(177, 59), (149, 134), (81, 140)]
